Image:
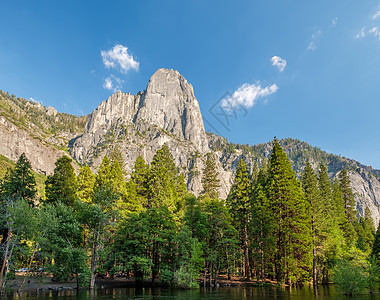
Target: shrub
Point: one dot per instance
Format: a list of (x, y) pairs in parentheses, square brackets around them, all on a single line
[(349, 277), (184, 278)]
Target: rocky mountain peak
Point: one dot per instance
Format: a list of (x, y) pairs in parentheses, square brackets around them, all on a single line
[(167, 106), (169, 102)]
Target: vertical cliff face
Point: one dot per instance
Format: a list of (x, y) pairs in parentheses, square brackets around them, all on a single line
[(169, 102)]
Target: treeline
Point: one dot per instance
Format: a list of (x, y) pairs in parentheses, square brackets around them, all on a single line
[(271, 227)]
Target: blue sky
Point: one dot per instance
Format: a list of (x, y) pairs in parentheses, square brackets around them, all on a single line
[(303, 69)]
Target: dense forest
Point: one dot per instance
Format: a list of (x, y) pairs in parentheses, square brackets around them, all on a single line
[(273, 227)]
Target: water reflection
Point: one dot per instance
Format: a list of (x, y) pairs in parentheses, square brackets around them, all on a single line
[(224, 293)]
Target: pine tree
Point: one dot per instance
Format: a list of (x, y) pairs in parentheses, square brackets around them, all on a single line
[(366, 231), (348, 196), (165, 185), (325, 191), (238, 203), (103, 177), (62, 185), (261, 230), (292, 218), (86, 183), (115, 155), (350, 219), (19, 182), (376, 245), (210, 180), (140, 176), (310, 187)]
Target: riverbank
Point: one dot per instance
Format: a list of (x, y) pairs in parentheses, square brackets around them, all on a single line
[(46, 283)]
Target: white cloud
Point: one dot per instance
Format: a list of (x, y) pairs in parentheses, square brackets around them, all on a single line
[(247, 95), (375, 31), (108, 85), (119, 58), (376, 15), (361, 34), (372, 31), (112, 83), (311, 46), (278, 62), (334, 21), (314, 37)]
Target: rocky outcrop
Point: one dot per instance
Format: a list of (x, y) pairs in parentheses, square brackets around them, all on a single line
[(366, 188), (15, 141)]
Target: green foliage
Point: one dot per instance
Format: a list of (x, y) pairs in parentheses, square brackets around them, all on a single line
[(349, 278), (373, 274), (62, 185), (19, 182), (292, 219), (210, 180), (71, 264), (165, 185), (32, 117), (86, 183), (184, 278)]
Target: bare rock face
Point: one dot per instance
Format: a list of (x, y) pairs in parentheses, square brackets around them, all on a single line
[(15, 141), (366, 188), (169, 103), (51, 111)]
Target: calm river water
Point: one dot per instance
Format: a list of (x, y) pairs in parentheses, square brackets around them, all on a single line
[(225, 293)]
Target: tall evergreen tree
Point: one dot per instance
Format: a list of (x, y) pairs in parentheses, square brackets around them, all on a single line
[(325, 191), (261, 230), (376, 245), (349, 207), (140, 176), (210, 180), (310, 187), (103, 177), (62, 185), (348, 196), (86, 183), (165, 185), (292, 218), (239, 205), (19, 182)]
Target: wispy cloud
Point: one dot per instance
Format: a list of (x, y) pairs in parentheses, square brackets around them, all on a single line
[(375, 32), (247, 95), (314, 38), (376, 15), (334, 22), (371, 28), (112, 83), (278, 62), (365, 32), (118, 58), (361, 34)]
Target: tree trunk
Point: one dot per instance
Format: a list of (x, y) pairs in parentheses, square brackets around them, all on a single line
[(94, 257), (246, 258), (30, 264), (6, 258), (205, 275)]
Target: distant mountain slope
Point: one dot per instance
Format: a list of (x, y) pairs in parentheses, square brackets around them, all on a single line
[(41, 133), (365, 182)]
